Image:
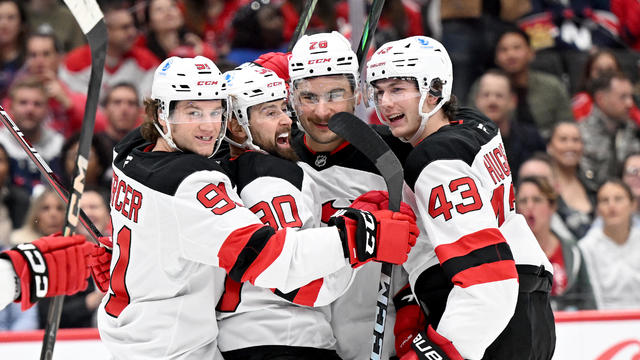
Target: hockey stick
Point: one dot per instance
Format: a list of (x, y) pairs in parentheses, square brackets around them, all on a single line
[(88, 15), (368, 31), (368, 142), (303, 23), (46, 172)]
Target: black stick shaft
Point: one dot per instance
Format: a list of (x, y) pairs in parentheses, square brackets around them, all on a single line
[(91, 21), (368, 31), (303, 23)]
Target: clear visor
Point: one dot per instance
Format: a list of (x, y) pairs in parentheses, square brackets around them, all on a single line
[(392, 95), (334, 93), (200, 111), (272, 110)]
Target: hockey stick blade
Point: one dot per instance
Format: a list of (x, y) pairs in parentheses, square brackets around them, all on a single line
[(368, 142), (46, 172), (303, 23), (91, 20), (368, 31)]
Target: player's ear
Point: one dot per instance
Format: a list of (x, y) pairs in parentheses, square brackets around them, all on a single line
[(236, 130)]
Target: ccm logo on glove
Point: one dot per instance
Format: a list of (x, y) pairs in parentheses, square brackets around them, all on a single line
[(38, 268)]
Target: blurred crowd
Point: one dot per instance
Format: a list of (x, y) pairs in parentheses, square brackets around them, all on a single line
[(559, 77)]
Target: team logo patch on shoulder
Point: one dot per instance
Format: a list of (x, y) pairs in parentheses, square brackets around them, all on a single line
[(321, 160)]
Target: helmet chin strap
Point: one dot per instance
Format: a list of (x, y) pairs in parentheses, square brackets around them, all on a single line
[(423, 119), (167, 137)]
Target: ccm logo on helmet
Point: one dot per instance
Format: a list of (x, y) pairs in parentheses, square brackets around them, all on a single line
[(319, 61), (376, 65), (273, 84), (207, 82)]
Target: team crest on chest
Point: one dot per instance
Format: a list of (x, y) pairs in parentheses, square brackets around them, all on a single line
[(321, 160)]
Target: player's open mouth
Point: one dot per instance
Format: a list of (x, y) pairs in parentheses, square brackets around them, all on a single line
[(395, 117), (322, 126), (204, 138), (283, 139)]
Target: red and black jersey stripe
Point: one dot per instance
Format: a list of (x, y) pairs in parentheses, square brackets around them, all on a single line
[(480, 257)]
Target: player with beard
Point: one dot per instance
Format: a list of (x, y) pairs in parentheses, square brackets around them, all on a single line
[(324, 78), (477, 268), (179, 227)]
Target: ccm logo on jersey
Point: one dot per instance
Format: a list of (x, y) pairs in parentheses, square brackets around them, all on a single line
[(427, 350), (495, 161), (207, 82), (319, 61), (38, 267)]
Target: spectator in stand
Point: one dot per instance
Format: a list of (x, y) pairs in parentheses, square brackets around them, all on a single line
[(496, 98), (13, 30), (470, 31), (14, 202), (542, 99), (211, 20), (576, 203), (599, 62), (631, 177), (628, 13), (399, 19), (96, 174), (45, 216), (122, 108), (124, 62), (29, 109), (43, 62), (54, 15), (537, 202), (166, 34), (608, 133), (541, 165), (612, 251), (258, 30)]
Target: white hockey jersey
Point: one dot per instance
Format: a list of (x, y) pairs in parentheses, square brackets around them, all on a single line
[(341, 176), (178, 226), (471, 239), (282, 196)]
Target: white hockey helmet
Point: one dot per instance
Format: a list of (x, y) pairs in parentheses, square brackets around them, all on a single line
[(323, 54), (249, 85), (420, 58), (178, 79)]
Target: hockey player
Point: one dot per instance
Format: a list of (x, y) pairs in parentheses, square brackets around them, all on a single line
[(479, 271), (179, 227), (324, 80)]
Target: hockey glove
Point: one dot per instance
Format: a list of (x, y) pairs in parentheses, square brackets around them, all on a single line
[(410, 320), (100, 262), (431, 345), (378, 200), (383, 236), (50, 266)]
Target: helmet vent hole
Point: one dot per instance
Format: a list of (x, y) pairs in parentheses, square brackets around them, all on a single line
[(310, 71), (383, 72), (199, 94), (216, 93), (329, 68)]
